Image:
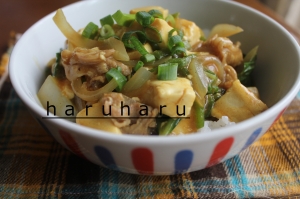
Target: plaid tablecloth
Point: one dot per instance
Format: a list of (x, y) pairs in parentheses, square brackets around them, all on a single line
[(34, 165)]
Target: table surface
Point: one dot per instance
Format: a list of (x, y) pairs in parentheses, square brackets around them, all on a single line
[(274, 173)]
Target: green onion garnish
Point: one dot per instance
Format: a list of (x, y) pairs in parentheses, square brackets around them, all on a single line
[(155, 13), (107, 20), (168, 126), (182, 65), (152, 34), (127, 35), (115, 74), (138, 65), (137, 45), (175, 43), (167, 71), (175, 40), (176, 15), (171, 21), (159, 54), (106, 31), (170, 33), (178, 50), (90, 31), (209, 103), (126, 39), (123, 19), (144, 18), (58, 69), (147, 58), (199, 115)]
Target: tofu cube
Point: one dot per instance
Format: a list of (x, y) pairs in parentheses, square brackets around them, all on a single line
[(238, 103)]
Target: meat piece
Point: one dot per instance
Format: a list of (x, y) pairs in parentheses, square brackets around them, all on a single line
[(230, 76), (90, 62), (128, 114), (213, 63), (222, 47)]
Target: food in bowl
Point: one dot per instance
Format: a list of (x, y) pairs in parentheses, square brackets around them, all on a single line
[(277, 64), (150, 72)]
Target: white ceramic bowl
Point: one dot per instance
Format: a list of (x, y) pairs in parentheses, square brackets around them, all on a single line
[(276, 76)]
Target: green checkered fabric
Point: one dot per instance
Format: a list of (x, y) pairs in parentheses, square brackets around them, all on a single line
[(34, 165)]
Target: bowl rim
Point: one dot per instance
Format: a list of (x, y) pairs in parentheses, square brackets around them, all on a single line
[(224, 131)]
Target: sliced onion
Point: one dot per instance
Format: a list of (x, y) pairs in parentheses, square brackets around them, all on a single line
[(199, 80), (225, 30), (91, 96), (141, 76), (76, 39), (214, 64), (73, 36), (120, 53)]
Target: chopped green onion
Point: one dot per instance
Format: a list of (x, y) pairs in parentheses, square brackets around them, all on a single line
[(209, 103), (211, 89), (175, 40), (178, 50), (155, 13), (156, 63), (141, 36), (159, 54), (152, 34), (90, 31), (108, 20), (176, 15), (58, 69), (106, 31), (179, 33), (123, 19), (199, 115), (115, 74), (147, 58), (126, 39), (175, 43), (138, 65), (211, 75), (127, 36), (170, 33), (214, 81), (171, 21), (168, 126), (133, 42), (138, 45), (183, 64), (167, 71), (144, 18), (244, 71)]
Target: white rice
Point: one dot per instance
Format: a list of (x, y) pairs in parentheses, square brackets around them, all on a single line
[(211, 125)]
